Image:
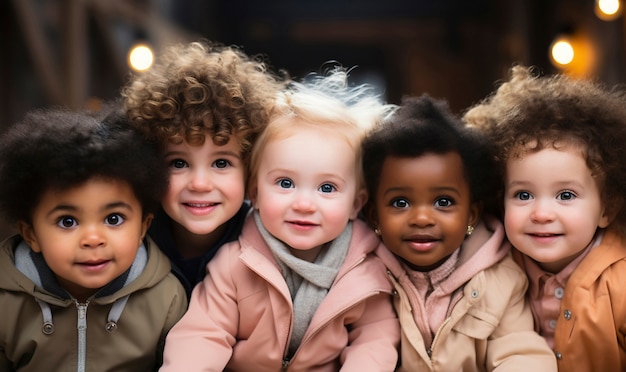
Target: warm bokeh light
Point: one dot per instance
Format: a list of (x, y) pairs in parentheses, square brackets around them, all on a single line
[(608, 10), (562, 52), (140, 57), (574, 54)]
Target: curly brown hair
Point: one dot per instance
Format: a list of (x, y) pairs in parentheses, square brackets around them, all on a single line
[(203, 89), (530, 112)]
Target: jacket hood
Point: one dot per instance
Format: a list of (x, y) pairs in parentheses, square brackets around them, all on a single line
[(12, 279), (486, 246)]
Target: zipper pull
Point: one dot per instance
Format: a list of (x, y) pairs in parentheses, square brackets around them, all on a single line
[(82, 315)]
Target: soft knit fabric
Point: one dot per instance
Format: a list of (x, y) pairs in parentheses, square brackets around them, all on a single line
[(488, 324), (425, 283), (308, 282), (241, 315)]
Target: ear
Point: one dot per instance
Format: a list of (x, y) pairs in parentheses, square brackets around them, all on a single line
[(371, 214), (475, 211), (610, 210), (27, 232), (359, 201), (145, 224), (253, 191)]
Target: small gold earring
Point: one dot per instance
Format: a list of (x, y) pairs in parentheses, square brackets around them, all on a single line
[(377, 231), (470, 230)]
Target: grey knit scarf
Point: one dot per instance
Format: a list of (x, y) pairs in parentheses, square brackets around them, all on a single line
[(308, 282)]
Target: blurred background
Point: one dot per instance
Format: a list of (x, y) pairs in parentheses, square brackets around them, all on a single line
[(75, 53)]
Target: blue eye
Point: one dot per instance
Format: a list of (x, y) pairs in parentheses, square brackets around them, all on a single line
[(178, 163), (327, 188), (566, 195), (523, 195), (67, 222), (114, 219), (285, 183), (400, 203), (221, 163)]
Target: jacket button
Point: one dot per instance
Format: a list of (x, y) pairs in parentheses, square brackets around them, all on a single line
[(110, 327), (558, 293), (567, 314), (47, 328), (558, 355)]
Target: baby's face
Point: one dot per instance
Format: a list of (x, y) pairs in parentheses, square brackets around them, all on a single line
[(88, 234), (306, 189), (206, 184), (552, 205), (423, 207)]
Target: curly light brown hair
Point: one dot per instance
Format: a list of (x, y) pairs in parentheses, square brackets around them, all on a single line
[(202, 89), (530, 112)]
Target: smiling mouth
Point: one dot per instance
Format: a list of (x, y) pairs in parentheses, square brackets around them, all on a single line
[(544, 235), (93, 264), (302, 223), (421, 239), (200, 205)]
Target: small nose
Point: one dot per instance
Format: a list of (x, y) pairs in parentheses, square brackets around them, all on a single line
[(92, 237), (542, 212), (304, 202), (200, 181), (422, 216)]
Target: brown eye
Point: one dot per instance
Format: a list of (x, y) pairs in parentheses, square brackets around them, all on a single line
[(178, 163), (399, 203), (67, 222), (114, 219), (221, 163)]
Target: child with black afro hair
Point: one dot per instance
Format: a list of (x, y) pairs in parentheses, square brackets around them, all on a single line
[(460, 297), (80, 287), (561, 153), (205, 104)]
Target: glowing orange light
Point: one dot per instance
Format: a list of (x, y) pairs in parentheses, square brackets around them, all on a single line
[(608, 10), (140, 57)]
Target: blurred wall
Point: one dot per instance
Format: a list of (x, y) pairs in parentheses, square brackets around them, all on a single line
[(73, 53)]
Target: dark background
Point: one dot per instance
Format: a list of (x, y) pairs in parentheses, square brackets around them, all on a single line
[(73, 52)]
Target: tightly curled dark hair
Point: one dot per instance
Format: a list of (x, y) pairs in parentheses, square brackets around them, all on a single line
[(55, 149), (200, 89), (422, 126)]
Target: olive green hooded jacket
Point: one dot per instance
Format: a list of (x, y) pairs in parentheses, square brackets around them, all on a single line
[(120, 328)]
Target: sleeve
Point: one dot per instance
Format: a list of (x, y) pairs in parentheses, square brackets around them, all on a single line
[(178, 307), (514, 345), (373, 339), (204, 337), (374, 335)]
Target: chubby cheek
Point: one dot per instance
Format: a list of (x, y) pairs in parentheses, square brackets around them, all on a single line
[(512, 228), (389, 235), (510, 217), (174, 188)]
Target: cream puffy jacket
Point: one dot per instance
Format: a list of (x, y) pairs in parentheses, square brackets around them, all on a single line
[(490, 325)]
